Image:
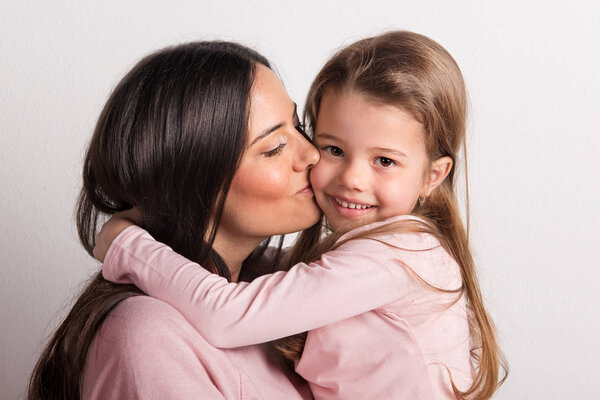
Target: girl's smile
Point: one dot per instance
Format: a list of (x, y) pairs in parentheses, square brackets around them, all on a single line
[(350, 208)]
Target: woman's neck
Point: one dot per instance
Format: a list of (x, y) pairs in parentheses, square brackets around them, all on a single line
[(234, 250)]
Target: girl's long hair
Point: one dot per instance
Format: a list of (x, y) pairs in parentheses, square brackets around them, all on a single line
[(416, 74), (169, 140)]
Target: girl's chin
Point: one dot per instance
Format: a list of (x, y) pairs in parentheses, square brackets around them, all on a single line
[(347, 224)]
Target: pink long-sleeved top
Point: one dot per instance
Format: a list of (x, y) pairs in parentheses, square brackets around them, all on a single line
[(376, 330)]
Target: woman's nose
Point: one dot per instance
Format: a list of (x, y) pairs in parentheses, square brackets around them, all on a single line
[(308, 155)]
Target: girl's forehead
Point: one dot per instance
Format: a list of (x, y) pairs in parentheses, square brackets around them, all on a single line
[(348, 115), (345, 99)]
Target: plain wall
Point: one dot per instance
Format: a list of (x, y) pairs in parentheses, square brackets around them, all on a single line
[(534, 150)]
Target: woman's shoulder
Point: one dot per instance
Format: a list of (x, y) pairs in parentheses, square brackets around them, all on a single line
[(146, 349), (141, 331), (141, 306), (143, 321)]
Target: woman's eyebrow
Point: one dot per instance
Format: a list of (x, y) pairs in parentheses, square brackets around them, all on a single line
[(267, 132), (272, 129)]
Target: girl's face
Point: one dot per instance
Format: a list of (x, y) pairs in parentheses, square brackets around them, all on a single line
[(270, 193), (374, 163)]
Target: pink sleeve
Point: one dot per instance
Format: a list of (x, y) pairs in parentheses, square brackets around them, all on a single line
[(359, 276)]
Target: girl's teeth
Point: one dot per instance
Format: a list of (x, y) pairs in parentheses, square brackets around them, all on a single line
[(352, 205)]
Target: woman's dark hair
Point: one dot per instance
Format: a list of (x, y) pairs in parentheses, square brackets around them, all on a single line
[(168, 140)]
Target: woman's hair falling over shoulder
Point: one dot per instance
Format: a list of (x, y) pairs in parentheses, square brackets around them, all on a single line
[(168, 140), (416, 74)]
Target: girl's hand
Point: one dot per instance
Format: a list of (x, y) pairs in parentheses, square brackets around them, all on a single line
[(111, 229)]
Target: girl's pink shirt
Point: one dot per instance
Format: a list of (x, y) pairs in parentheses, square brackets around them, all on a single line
[(376, 330)]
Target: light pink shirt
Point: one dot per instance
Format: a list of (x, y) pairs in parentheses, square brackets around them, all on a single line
[(145, 349), (377, 331)]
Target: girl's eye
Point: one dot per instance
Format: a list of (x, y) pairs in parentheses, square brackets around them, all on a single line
[(334, 151), (384, 162), (276, 151)]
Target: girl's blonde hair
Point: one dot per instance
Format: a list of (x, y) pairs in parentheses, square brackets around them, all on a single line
[(416, 74)]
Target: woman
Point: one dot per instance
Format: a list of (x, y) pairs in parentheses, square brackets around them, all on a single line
[(205, 140)]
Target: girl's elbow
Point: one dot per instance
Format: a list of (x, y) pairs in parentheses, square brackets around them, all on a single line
[(216, 335)]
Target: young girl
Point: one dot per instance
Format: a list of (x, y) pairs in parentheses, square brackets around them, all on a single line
[(391, 300)]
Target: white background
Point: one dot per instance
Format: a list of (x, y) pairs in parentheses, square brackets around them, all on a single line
[(532, 73)]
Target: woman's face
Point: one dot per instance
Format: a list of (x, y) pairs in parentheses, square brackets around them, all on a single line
[(270, 193)]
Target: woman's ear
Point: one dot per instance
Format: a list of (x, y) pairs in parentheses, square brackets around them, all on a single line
[(440, 169)]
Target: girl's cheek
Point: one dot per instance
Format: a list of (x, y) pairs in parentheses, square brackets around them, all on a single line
[(318, 176)]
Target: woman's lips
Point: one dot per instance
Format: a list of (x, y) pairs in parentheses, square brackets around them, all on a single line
[(306, 190)]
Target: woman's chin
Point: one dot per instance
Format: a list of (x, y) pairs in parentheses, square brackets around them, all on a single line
[(309, 219)]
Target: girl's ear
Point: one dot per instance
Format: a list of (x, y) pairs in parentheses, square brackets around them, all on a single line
[(440, 169)]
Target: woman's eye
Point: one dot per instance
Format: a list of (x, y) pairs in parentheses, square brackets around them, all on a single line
[(276, 151), (384, 162), (334, 151)]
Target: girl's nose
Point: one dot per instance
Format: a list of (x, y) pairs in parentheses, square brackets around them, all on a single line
[(353, 177)]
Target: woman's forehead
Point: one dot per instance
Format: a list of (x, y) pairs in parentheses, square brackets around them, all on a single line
[(270, 103)]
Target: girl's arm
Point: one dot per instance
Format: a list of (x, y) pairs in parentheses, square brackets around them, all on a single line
[(359, 276)]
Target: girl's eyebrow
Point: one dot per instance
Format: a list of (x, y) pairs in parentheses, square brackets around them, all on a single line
[(328, 136), (383, 149), (386, 150)]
